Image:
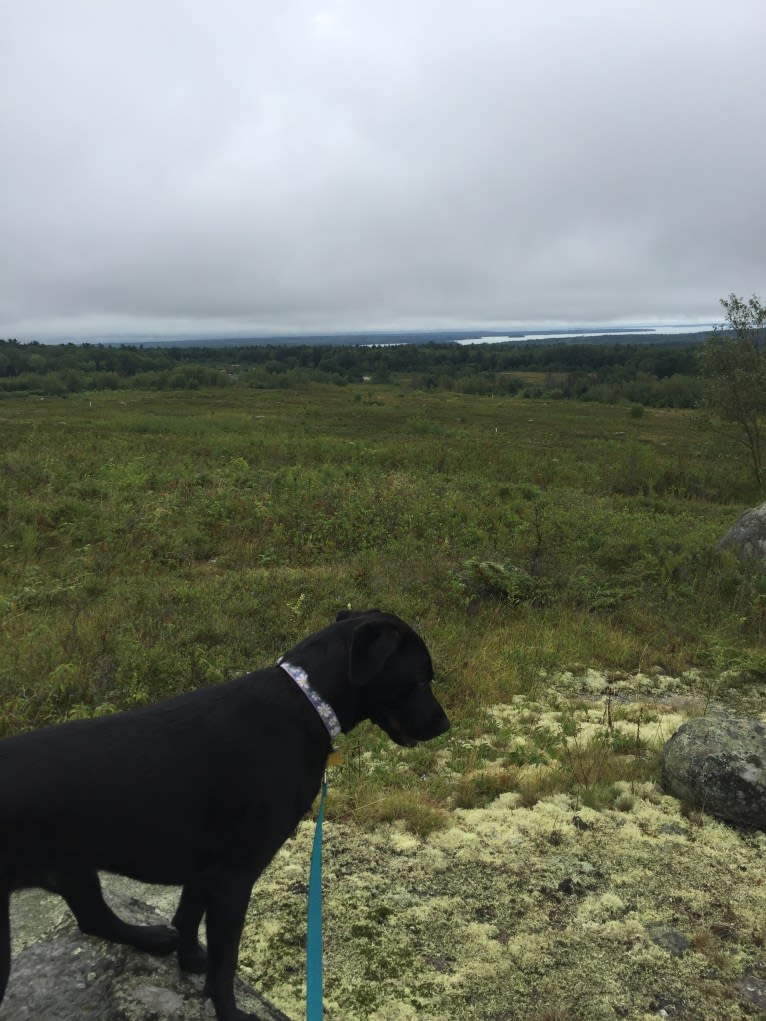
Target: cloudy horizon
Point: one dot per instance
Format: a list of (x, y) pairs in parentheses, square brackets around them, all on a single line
[(251, 168)]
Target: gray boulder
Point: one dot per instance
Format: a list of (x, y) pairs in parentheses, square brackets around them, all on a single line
[(747, 536), (58, 974), (719, 766)]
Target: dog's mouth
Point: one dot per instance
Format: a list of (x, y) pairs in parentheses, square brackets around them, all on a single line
[(407, 742), (396, 732)]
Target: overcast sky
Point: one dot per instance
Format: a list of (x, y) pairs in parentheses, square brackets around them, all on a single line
[(248, 166)]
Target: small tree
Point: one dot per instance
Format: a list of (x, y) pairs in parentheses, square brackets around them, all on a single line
[(734, 364)]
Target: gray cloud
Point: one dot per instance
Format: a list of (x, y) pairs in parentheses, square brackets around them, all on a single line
[(240, 166)]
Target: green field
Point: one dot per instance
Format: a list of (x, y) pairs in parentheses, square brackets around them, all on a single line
[(156, 542)]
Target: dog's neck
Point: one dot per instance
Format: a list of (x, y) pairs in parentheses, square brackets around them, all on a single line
[(323, 708)]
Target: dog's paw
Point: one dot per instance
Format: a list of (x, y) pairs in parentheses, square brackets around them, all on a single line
[(237, 1015), (193, 959), (159, 940)]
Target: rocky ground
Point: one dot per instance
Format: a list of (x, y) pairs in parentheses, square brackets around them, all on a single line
[(549, 912)]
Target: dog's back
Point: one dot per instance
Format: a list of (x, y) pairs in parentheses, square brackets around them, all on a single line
[(90, 790)]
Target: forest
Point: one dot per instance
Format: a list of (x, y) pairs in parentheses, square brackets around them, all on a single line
[(645, 374)]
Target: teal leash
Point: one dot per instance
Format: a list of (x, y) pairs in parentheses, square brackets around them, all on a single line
[(314, 948)]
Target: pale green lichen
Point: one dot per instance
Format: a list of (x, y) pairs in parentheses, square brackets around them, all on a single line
[(518, 911)]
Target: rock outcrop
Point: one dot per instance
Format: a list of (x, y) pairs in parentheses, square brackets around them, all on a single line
[(58, 974), (747, 536), (719, 766)]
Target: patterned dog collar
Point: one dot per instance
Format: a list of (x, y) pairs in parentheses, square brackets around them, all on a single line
[(324, 709)]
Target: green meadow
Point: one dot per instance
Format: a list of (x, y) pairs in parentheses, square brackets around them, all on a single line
[(153, 542)]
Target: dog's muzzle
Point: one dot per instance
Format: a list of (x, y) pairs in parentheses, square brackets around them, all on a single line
[(417, 717)]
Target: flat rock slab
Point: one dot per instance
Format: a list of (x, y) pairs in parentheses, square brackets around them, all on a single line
[(719, 766), (62, 975)]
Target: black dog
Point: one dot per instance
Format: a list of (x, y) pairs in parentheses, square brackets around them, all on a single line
[(201, 790)]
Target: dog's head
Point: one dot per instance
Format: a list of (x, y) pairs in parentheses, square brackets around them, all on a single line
[(391, 672)]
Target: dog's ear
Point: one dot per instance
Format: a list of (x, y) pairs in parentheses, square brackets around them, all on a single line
[(372, 644)]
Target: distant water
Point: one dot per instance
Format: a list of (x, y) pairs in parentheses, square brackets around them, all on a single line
[(605, 331)]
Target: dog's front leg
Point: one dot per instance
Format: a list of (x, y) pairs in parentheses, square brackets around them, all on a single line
[(192, 956), (5, 939), (228, 895)]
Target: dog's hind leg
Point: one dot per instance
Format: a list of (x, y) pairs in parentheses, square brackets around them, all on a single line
[(81, 889), (5, 939), (191, 907)]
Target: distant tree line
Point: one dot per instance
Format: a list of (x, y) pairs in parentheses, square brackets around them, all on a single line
[(660, 375)]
